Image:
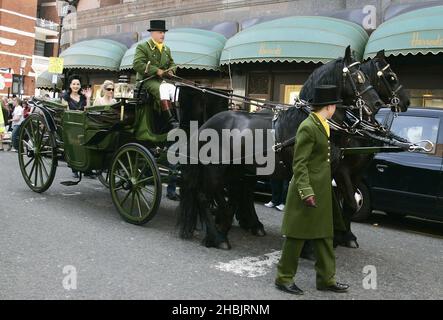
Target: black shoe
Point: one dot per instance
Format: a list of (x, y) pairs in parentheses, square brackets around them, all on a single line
[(170, 120), (289, 288), (337, 287), (173, 196)]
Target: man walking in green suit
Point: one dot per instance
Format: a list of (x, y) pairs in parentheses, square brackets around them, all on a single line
[(309, 205), (153, 61)]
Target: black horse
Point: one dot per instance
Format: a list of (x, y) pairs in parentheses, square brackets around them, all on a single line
[(348, 174), (215, 193)]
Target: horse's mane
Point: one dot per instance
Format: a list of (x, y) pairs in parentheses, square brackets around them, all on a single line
[(370, 70), (292, 115), (323, 75)]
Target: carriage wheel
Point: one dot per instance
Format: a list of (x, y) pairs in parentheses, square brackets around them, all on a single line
[(37, 153), (135, 184)]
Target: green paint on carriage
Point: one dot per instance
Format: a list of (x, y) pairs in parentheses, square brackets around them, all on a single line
[(91, 137)]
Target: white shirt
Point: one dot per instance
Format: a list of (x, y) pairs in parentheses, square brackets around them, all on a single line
[(18, 112)]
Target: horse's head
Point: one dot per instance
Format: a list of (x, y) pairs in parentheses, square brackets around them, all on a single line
[(386, 82), (356, 88)]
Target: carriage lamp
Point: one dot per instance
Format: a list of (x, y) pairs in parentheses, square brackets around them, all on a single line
[(123, 89)]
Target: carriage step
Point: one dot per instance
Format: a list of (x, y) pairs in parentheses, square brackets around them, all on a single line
[(72, 183)]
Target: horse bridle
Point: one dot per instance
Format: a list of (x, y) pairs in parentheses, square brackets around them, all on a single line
[(395, 100), (359, 102)]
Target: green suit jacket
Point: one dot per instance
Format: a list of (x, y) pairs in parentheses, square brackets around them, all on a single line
[(312, 176), (148, 51)]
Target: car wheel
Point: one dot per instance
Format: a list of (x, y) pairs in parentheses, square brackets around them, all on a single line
[(363, 200)]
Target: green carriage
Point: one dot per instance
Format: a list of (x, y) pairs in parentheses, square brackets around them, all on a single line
[(120, 142)]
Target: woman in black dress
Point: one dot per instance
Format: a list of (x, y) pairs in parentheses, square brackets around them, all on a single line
[(77, 100), (74, 98)]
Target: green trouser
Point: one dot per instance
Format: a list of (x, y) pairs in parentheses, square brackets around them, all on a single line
[(324, 265)]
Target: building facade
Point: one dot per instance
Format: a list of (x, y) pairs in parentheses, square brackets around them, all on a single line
[(28, 37), (126, 21)]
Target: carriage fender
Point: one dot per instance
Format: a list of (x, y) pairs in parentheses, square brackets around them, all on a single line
[(49, 120)]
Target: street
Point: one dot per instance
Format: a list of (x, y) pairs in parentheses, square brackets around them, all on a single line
[(78, 227)]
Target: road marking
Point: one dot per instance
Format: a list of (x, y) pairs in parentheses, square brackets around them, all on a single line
[(250, 267), (35, 199), (71, 194)]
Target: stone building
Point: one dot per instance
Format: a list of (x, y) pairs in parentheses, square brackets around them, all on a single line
[(125, 21)]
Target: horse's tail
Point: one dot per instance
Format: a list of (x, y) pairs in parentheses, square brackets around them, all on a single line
[(190, 193)]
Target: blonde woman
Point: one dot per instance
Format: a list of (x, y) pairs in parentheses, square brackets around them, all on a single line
[(106, 96)]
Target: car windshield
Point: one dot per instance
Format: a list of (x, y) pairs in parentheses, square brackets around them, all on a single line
[(416, 129)]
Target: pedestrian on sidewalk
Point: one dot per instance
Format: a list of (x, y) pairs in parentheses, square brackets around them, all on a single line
[(17, 119), (2, 125), (309, 206), (279, 192)]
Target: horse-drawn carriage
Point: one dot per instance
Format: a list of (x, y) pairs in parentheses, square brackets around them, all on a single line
[(121, 142)]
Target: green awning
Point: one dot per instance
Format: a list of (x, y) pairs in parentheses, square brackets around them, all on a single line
[(44, 81), (190, 48), (419, 31), (100, 54), (300, 39)]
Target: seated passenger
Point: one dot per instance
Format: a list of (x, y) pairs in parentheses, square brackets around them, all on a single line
[(106, 94), (74, 98)]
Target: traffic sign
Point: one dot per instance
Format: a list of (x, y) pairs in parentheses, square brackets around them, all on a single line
[(55, 65)]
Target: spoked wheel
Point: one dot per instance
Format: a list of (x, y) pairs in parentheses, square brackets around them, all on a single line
[(103, 177), (135, 184), (37, 153)]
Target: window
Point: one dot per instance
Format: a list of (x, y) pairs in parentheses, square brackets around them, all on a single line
[(39, 49), (258, 84), (426, 98), (49, 49), (291, 93), (416, 129)]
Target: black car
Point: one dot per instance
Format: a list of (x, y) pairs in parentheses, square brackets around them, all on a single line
[(406, 183)]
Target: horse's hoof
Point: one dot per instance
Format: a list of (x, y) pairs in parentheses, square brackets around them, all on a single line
[(224, 245), (352, 244), (260, 232)]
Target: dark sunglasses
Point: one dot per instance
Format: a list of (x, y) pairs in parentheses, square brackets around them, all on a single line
[(110, 89)]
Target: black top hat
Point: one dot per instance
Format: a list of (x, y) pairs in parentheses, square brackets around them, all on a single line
[(325, 95), (157, 25)]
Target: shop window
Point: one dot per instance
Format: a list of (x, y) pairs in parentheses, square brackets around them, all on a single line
[(258, 84), (291, 92), (426, 98), (259, 87)]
